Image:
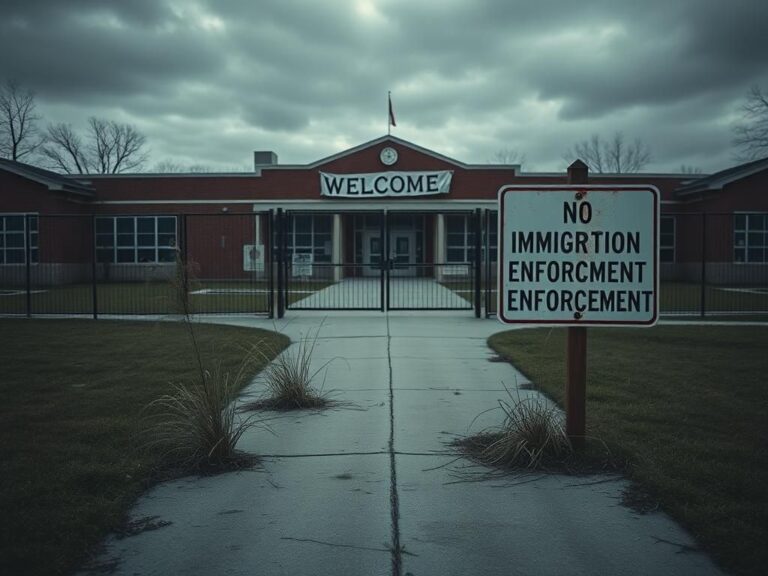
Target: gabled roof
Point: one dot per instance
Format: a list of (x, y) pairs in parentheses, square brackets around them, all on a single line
[(720, 179), (55, 182), (401, 142)]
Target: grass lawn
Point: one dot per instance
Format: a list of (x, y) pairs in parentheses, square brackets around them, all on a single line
[(148, 297), (71, 394), (687, 405)]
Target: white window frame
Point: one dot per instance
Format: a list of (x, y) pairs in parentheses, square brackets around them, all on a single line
[(34, 237), (155, 246), (746, 231), (291, 248), (467, 247), (662, 246)]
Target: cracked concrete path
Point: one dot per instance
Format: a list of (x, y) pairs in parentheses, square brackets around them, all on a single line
[(371, 486)]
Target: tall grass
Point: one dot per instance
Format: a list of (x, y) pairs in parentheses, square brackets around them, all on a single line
[(197, 426), (290, 378), (531, 435)]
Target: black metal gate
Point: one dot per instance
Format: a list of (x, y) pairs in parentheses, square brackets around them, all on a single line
[(376, 261)]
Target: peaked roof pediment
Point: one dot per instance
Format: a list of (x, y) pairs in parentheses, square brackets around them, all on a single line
[(53, 181), (388, 138), (720, 179)]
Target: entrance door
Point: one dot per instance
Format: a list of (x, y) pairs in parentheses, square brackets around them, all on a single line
[(372, 253), (402, 252)]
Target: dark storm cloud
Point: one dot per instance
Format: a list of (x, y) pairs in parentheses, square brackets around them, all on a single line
[(468, 76)]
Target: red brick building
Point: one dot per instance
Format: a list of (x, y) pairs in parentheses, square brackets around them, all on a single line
[(385, 200)]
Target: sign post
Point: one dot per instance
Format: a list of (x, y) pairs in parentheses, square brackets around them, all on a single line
[(578, 255)]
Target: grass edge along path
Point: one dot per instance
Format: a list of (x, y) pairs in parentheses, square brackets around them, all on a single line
[(687, 406), (71, 396)]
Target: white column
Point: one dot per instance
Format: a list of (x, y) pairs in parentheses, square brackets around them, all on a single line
[(439, 247), (336, 256)]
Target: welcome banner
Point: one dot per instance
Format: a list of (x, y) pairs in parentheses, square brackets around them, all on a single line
[(378, 184)]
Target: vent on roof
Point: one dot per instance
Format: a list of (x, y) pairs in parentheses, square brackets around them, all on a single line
[(263, 158)]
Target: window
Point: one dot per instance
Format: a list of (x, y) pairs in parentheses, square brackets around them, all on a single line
[(750, 243), (459, 239), (493, 236), (13, 238), (136, 239), (311, 234), (667, 239)]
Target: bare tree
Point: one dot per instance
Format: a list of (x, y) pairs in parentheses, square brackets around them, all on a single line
[(173, 167), (110, 148), (508, 156), (751, 134), (686, 169), (614, 156), (19, 135)]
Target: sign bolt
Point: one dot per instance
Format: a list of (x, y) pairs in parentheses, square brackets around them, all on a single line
[(577, 315)]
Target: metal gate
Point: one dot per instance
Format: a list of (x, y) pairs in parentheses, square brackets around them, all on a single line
[(374, 260)]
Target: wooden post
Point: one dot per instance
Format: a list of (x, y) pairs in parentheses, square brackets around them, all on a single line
[(576, 351)]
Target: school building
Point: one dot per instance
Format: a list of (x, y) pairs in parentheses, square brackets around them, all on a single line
[(387, 224)]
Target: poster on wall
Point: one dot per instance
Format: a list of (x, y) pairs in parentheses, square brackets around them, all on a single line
[(253, 257), (302, 264)]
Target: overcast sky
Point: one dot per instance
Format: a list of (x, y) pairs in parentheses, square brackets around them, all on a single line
[(209, 82)]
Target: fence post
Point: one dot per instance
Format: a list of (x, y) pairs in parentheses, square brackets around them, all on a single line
[(487, 261), (28, 260), (382, 261), (269, 239), (478, 259), (386, 262), (94, 297), (280, 233), (703, 264)]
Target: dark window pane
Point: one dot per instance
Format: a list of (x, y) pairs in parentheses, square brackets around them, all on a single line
[(144, 255), (2, 240), (755, 255), (146, 225), (740, 238), (455, 255), (14, 223), (166, 224), (125, 225), (302, 224), (756, 222), (166, 239), (666, 254), (125, 239), (455, 224), (667, 225), (741, 222), (303, 240), (739, 255), (33, 224), (15, 240), (14, 257), (755, 239), (35, 255), (146, 239), (323, 223)]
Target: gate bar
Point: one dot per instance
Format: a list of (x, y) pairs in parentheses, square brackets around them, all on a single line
[(478, 259)]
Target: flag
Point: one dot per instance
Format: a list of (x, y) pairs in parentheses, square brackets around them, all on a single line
[(391, 111)]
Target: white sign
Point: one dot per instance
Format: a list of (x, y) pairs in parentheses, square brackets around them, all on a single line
[(578, 255), (302, 264), (379, 184), (253, 257)]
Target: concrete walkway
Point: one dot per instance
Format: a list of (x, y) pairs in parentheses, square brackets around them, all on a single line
[(404, 292), (370, 487)]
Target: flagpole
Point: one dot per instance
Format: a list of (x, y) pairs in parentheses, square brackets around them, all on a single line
[(389, 115)]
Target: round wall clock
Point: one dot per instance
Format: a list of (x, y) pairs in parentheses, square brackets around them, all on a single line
[(388, 156)]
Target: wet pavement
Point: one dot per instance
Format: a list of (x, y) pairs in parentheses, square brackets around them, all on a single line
[(372, 485)]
